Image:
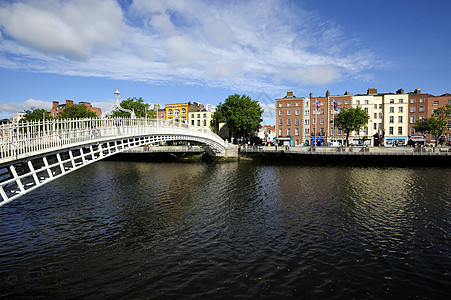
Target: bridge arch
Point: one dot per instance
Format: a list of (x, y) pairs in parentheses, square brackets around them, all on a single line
[(33, 154)]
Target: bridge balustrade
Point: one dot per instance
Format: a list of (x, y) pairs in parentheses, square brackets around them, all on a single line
[(22, 138)]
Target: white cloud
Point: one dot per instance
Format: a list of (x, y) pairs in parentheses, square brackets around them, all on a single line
[(243, 45), (71, 28), (14, 107)]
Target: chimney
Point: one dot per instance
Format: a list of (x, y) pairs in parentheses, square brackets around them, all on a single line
[(290, 94), (55, 104), (400, 91), (69, 102), (417, 91), (327, 93), (372, 91), (311, 95), (347, 93)]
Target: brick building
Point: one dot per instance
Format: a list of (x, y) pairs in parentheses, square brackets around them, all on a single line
[(58, 108), (289, 127)]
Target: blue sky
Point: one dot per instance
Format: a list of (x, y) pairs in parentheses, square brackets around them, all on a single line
[(178, 51)]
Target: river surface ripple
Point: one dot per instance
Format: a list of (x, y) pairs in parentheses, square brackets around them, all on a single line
[(140, 230)]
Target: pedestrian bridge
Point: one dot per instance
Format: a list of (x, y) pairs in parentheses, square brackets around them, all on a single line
[(34, 153)]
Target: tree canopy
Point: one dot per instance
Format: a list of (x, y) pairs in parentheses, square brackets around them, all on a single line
[(241, 114), (137, 105), (437, 124), (76, 112), (351, 119), (36, 114)]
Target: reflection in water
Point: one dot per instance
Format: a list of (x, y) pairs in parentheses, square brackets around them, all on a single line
[(168, 230)]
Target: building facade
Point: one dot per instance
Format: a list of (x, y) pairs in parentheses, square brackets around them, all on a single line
[(289, 127), (59, 108)]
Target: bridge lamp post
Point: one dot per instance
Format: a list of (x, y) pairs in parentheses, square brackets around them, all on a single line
[(119, 107)]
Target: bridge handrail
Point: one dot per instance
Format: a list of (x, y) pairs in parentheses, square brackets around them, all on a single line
[(17, 139)]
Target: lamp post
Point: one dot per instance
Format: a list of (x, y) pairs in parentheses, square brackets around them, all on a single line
[(119, 107)]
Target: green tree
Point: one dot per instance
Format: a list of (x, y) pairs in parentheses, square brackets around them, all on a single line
[(351, 119), (241, 114), (76, 112), (437, 124), (36, 114), (137, 105)]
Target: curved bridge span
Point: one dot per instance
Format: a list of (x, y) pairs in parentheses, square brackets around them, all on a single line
[(34, 153)]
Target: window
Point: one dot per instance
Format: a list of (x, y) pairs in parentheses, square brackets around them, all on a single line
[(306, 112), (421, 109), (400, 109), (400, 130), (322, 111), (280, 113), (307, 130), (297, 112), (280, 122), (288, 131), (375, 126), (392, 100), (449, 102), (392, 109), (192, 115), (399, 119), (435, 102), (412, 109), (367, 102), (198, 122), (421, 100), (198, 116), (339, 102), (412, 100), (380, 115), (183, 111), (280, 132), (321, 121), (289, 112), (322, 103), (412, 131), (177, 111), (346, 101), (338, 131), (366, 130), (170, 112), (375, 115), (421, 118), (205, 115), (296, 121), (390, 130), (280, 104), (288, 122), (380, 106), (321, 131), (298, 104), (314, 121), (400, 100), (366, 109), (192, 122), (412, 119), (288, 104), (357, 102), (307, 122), (296, 131), (375, 106), (392, 119)]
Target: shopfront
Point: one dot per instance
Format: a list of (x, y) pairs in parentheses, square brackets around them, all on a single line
[(417, 140), (318, 141), (395, 141), (284, 141)]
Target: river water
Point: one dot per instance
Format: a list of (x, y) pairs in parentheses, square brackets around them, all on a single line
[(142, 230)]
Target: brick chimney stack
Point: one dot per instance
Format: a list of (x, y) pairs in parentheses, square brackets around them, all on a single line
[(372, 91)]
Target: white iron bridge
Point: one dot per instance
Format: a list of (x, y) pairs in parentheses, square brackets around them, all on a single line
[(35, 153)]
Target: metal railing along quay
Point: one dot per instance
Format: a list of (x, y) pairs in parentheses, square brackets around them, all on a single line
[(418, 151)]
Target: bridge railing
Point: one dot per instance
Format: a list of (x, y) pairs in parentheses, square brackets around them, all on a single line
[(18, 139)]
